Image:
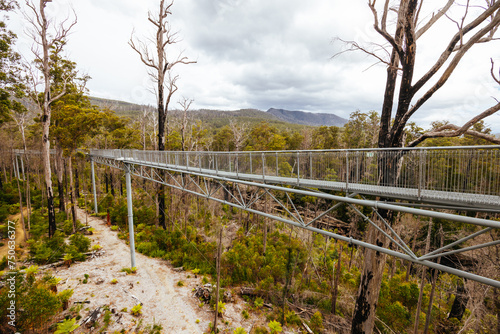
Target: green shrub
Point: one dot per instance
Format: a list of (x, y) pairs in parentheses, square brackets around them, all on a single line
[(3, 263), (81, 242), (220, 308), (291, 318), (316, 322), (64, 297), (39, 304), (129, 271), (68, 227), (47, 250), (67, 326), (275, 327), (259, 302), (136, 310)]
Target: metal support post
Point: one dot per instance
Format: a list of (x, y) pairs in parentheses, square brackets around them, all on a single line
[(130, 215), (277, 164), (298, 167), (93, 184), (310, 166), (347, 172), (250, 163), (263, 167)]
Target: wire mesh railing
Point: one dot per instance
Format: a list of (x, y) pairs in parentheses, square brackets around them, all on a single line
[(468, 169)]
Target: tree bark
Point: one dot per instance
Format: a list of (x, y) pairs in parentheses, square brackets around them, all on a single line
[(460, 302), (72, 192), (422, 279), (59, 169), (161, 69), (21, 208), (369, 288), (219, 254), (433, 289), (77, 183), (336, 282)]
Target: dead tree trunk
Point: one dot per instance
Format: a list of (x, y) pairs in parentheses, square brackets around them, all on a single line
[(72, 192), (433, 289), (335, 287), (59, 169), (422, 279), (219, 253), (162, 76), (41, 35)]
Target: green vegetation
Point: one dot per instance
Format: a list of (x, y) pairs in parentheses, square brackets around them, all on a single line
[(129, 271), (35, 297), (136, 310), (275, 327), (67, 326)]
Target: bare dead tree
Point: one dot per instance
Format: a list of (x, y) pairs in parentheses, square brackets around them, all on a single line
[(240, 134), (185, 104), (160, 70), (400, 26), (46, 35)]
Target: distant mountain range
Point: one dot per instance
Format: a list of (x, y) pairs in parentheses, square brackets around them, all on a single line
[(220, 118), (306, 118)]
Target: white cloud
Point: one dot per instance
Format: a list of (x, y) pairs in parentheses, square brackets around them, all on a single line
[(262, 54)]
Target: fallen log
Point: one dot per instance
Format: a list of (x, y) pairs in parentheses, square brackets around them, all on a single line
[(308, 330), (92, 318)]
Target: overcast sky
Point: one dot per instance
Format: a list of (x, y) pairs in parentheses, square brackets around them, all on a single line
[(262, 54)]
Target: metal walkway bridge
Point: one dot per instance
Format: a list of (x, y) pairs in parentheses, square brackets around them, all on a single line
[(429, 181), (460, 176)]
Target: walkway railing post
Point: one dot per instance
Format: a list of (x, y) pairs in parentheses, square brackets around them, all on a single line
[(347, 171), (277, 164), (93, 184), (298, 167), (130, 215), (250, 163), (420, 167), (310, 166), (263, 167)]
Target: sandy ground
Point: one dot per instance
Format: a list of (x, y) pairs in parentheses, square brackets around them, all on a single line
[(154, 285), (19, 235)]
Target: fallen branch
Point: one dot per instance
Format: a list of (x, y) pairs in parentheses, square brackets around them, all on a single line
[(91, 319), (308, 330)]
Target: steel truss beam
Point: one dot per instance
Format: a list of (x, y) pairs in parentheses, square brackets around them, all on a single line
[(245, 195)]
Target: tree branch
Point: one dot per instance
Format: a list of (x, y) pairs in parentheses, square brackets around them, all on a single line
[(456, 38), (143, 53), (458, 131), (451, 67), (434, 19), (492, 72), (382, 31)]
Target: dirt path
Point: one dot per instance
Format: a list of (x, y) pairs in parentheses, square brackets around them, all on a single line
[(19, 234), (154, 285)]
